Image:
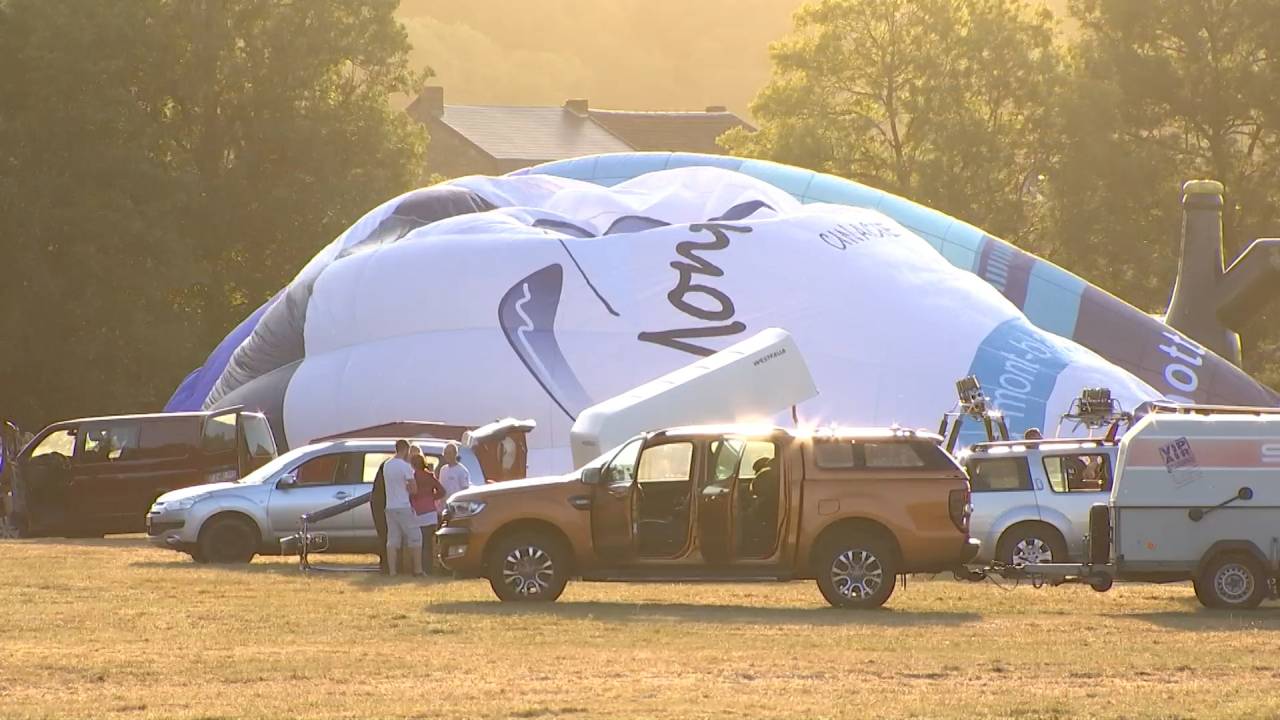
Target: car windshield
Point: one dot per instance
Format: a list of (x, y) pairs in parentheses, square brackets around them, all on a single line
[(264, 473)]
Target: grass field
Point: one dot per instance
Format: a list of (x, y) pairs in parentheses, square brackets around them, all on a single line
[(114, 629)]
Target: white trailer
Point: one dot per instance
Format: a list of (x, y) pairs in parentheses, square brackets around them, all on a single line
[(1196, 497), (753, 380)]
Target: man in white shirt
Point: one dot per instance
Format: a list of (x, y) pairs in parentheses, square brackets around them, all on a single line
[(402, 521), (453, 475)]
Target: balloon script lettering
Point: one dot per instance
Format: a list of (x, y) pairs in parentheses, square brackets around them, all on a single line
[(846, 235), (698, 300)]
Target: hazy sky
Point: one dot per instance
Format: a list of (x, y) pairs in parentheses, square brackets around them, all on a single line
[(620, 54)]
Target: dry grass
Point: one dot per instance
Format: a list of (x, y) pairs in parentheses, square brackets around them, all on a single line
[(114, 629)]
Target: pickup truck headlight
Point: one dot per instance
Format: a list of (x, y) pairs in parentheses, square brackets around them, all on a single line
[(178, 505), (459, 509)]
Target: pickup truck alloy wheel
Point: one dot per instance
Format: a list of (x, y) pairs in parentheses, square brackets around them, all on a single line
[(1232, 581), (856, 573), (529, 567), (528, 570)]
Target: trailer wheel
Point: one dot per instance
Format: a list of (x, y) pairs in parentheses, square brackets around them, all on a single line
[(1201, 593), (1232, 580), (1100, 582)]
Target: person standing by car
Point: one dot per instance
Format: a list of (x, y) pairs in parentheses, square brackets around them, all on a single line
[(424, 505), (378, 507), (454, 476), (402, 522)]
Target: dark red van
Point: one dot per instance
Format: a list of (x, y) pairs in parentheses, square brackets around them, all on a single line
[(96, 476)]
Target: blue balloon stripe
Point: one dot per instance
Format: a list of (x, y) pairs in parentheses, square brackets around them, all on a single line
[(783, 177), (728, 162), (838, 191), (1019, 370), (1053, 299), (629, 165)]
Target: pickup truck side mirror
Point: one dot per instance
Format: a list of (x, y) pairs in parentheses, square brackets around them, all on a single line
[(288, 480), (591, 476)]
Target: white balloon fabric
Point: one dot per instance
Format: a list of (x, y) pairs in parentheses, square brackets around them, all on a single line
[(535, 296)]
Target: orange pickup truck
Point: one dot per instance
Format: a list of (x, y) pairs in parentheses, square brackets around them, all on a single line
[(852, 509)]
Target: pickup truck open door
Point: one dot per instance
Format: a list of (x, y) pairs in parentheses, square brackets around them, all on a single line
[(613, 505)]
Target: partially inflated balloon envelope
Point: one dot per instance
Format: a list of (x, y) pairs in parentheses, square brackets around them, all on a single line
[(536, 295)]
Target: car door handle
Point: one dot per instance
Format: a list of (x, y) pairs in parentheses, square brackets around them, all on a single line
[(342, 495)]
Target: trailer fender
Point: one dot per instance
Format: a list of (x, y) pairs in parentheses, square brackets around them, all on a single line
[(1233, 546)]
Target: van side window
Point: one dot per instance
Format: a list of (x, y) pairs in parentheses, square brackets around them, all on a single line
[(163, 440), (220, 434), (1078, 473), (999, 475), (61, 442), (109, 443)]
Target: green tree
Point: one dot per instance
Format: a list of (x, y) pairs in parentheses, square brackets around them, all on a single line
[(1162, 91), (941, 101), (165, 165)]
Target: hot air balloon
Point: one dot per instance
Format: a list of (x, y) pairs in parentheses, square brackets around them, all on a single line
[(539, 293)]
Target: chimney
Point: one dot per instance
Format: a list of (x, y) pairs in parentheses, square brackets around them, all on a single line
[(577, 106), (428, 104), (717, 109)]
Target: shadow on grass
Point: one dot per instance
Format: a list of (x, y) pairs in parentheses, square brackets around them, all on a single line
[(361, 575), (1196, 618), (111, 541), (184, 564), (718, 614)]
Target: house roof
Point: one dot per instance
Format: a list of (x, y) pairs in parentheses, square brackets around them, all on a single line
[(530, 133), (673, 131)]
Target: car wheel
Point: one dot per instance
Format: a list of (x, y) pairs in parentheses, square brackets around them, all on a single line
[(9, 527), (1031, 544), (528, 567), (857, 572), (1232, 580), (227, 540)]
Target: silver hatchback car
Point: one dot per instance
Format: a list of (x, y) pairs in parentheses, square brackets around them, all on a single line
[(233, 521), (1031, 498)]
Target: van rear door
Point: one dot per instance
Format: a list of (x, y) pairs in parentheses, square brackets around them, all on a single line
[(257, 444)]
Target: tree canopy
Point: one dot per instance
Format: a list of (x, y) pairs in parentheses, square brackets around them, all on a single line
[(1072, 140), (164, 164)]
